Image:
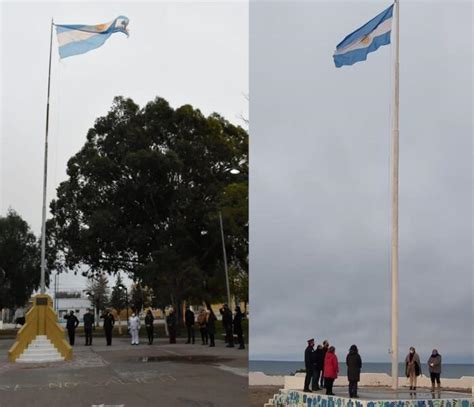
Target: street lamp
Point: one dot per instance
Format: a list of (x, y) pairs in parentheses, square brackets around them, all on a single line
[(122, 287), (2, 278), (90, 294), (225, 260), (233, 171)]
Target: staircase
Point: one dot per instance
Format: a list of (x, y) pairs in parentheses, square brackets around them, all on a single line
[(41, 338), (40, 350)]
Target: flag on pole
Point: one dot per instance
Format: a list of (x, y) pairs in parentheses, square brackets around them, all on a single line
[(79, 39), (368, 38)]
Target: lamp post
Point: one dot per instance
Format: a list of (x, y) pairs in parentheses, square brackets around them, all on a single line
[(92, 300), (2, 277), (233, 171), (122, 287), (225, 260)]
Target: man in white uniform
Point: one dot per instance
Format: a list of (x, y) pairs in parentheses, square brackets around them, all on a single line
[(134, 326)]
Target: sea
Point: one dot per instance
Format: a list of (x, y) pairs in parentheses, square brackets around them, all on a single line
[(283, 368)]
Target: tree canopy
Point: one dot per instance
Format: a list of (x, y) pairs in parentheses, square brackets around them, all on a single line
[(119, 296), (19, 261), (143, 196), (98, 292)]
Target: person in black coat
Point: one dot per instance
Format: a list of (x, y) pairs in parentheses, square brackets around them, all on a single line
[(318, 361), (171, 323), (238, 327), (325, 350), (227, 324), (88, 325), (354, 365), (109, 322), (71, 325), (149, 326), (211, 327), (189, 320), (308, 364)]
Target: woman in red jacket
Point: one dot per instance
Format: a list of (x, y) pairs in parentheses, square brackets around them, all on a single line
[(331, 369)]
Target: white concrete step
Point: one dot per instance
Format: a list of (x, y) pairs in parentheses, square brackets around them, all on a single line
[(39, 360), (39, 345), (40, 350)]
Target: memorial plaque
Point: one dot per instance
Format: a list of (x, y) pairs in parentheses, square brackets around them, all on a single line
[(42, 301)]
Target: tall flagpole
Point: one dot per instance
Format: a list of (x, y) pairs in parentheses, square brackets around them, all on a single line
[(43, 224), (394, 171)]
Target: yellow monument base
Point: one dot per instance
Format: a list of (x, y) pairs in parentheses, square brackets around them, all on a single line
[(40, 320)]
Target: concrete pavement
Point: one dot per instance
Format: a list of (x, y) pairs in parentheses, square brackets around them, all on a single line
[(129, 376)]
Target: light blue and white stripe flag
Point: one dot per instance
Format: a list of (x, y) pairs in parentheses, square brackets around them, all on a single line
[(368, 38), (79, 39)]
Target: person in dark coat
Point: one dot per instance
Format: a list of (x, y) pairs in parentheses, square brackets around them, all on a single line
[(238, 327), (149, 326), (109, 322), (71, 325), (171, 322), (434, 367), (211, 327), (325, 350), (354, 365), (189, 321), (88, 326), (227, 324), (308, 364), (318, 361)]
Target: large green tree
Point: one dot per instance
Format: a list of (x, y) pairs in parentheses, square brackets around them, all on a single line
[(143, 195), (19, 261)]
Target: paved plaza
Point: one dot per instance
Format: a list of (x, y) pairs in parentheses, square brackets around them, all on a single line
[(130, 376)]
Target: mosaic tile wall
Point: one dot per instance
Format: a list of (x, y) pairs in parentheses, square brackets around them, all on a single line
[(293, 398)]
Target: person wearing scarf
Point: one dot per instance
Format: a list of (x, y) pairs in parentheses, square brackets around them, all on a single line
[(412, 367)]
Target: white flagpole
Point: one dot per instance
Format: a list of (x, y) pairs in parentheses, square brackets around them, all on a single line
[(43, 224), (394, 171)]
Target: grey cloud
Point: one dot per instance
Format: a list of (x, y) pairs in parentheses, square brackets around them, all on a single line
[(320, 193)]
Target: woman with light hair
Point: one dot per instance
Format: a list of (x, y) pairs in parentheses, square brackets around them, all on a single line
[(412, 367), (202, 323)]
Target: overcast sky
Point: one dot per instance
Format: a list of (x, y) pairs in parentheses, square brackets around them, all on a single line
[(187, 52), (320, 192)]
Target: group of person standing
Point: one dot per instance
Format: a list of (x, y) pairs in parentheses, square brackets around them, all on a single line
[(232, 324), (322, 368), (72, 323), (413, 368), (206, 322)]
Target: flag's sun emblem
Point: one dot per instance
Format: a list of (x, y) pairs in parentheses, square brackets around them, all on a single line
[(365, 40), (101, 27)]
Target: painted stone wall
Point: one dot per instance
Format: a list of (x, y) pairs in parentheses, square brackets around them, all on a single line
[(294, 398)]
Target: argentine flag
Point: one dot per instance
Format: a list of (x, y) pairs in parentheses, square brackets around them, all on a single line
[(79, 39), (368, 38)]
